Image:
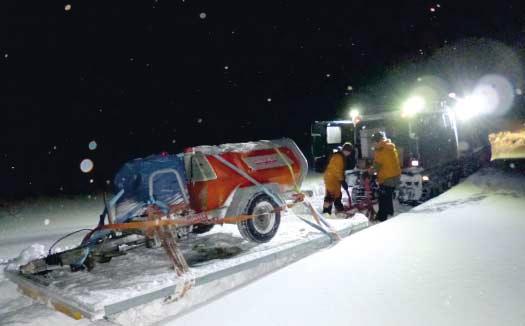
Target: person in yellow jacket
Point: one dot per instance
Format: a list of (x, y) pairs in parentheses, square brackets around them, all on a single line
[(386, 164), (334, 179)]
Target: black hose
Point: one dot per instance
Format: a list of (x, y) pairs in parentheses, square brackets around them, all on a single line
[(67, 235)]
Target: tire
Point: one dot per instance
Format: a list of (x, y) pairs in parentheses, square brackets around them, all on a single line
[(261, 228), (201, 228)]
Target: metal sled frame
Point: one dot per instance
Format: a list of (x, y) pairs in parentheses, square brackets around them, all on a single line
[(252, 266)]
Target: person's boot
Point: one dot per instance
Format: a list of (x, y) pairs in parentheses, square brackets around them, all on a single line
[(327, 211)]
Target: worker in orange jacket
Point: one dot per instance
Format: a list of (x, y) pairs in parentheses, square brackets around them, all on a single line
[(334, 179), (386, 164)]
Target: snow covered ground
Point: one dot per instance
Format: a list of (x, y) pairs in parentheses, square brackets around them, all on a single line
[(45, 220), (455, 260)]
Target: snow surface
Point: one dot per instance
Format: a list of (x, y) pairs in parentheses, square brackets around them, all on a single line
[(46, 219), (239, 147), (455, 260)]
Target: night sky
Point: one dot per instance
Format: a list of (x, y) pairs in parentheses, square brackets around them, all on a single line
[(141, 77)]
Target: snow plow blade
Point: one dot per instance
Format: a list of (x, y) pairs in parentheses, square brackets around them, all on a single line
[(508, 145), (220, 262)]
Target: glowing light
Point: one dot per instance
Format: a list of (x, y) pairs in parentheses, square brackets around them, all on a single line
[(414, 163), (412, 106), (425, 178), (67, 7), (92, 145), (86, 165), (469, 107), (354, 113), (452, 95)]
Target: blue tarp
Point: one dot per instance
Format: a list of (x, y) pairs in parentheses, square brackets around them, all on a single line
[(134, 177)]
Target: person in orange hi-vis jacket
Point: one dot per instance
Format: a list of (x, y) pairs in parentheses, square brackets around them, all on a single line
[(334, 179), (386, 164)]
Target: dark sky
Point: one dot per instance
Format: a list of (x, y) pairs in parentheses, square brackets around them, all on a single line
[(140, 77)]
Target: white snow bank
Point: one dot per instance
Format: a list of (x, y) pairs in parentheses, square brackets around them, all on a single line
[(456, 260), (33, 252), (494, 180)]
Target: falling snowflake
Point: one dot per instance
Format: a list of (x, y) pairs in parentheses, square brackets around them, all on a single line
[(46, 221), (438, 5), (92, 145), (349, 88), (131, 59), (86, 165), (67, 7), (226, 67), (173, 141), (328, 75), (202, 15), (519, 91), (269, 99), (91, 180), (55, 147), (6, 55), (108, 182), (61, 188), (419, 79), (199, 120), (432, 9), (12, 167)]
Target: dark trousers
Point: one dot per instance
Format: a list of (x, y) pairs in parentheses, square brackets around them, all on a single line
[(330, 199), (386, 203)]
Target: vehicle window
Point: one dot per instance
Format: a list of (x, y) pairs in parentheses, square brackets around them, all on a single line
[(201, 169), (333, 135)]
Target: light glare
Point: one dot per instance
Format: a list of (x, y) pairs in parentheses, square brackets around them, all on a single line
[(412, 106)]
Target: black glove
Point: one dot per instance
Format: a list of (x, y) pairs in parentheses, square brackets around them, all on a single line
[(344, 185)]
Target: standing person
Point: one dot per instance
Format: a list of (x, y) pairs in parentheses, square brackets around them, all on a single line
[(386, 164), (334, 179)]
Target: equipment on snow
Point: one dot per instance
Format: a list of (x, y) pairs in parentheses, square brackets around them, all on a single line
[(162, 198)]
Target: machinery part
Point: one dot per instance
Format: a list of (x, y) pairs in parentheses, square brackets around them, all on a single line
[(508, 144), (201, 228), (263, 226)]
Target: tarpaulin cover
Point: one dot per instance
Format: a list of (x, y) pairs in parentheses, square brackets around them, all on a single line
[(134, 178)]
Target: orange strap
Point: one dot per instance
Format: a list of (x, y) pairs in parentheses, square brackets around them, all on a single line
[(179, 222)]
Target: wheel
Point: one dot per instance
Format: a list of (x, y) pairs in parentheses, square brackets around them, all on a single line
[(201, 228), (263, 227)]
